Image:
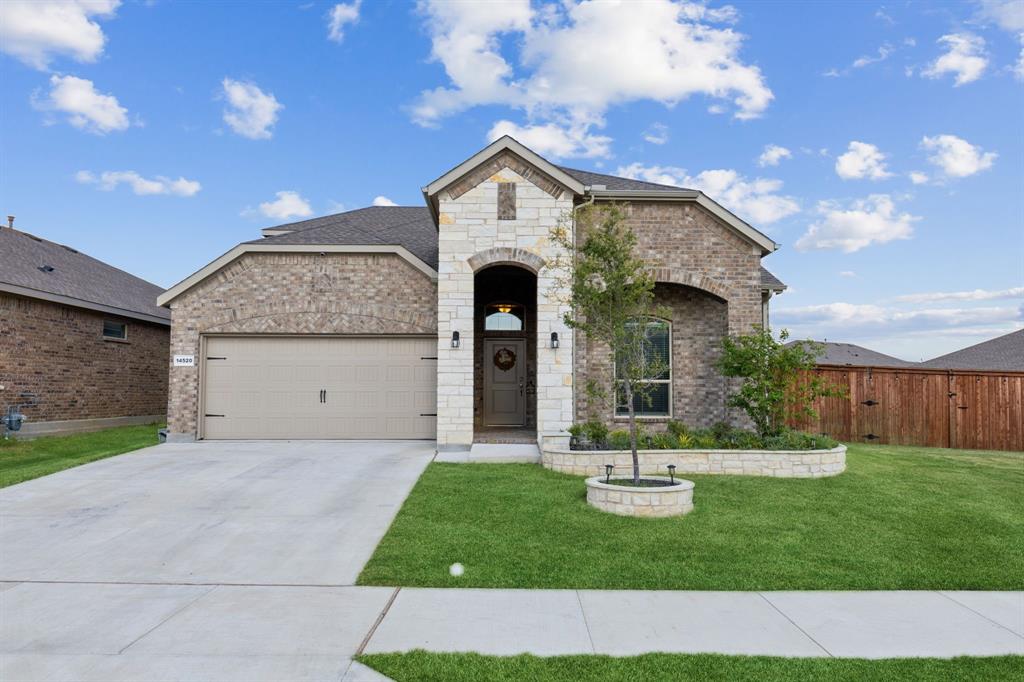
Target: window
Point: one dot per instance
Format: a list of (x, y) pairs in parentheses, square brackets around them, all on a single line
[(506, 201), (656, 397), (114, 330), (505, 317)]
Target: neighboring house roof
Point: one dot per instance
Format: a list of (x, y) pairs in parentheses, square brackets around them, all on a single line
[(37, 268), (856, 356), (1003, 353), (770, 281), (409, 226)]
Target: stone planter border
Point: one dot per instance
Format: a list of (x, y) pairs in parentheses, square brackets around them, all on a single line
[(774, 463), (674, 500)]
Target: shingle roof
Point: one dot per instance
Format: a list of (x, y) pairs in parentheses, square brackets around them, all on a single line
[(856, 356), (614, 182), (26, 262), (1003, 353), (408, 226), (770, 281)]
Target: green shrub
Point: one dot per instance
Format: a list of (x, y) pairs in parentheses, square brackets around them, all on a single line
[(684, 441), (619, 439), (664, 441), (576, 430), (595, 431), (677, 429)]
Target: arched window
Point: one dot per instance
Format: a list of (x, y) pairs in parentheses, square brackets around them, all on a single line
[(505, 317), (655, 398)]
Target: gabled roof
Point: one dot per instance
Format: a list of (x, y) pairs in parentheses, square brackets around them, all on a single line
[(1003, 353), (856, 356), (408, 226), (37, 268), (770, 282), (614, 182)]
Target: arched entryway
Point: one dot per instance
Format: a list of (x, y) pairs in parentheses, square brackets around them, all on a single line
[(505, 351)]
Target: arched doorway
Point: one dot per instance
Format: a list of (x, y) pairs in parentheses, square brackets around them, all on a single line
[(505, 349)]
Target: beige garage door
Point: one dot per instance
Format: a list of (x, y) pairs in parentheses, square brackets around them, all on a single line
[(320, 387)]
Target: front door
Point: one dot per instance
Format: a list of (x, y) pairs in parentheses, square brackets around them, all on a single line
[(504, 382)]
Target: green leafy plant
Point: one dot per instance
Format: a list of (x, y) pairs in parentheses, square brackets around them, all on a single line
[(777, 385), (677, 428), (664, 441), (619, 439), (595, 431)]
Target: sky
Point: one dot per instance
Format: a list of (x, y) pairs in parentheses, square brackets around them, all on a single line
[(881, 144)]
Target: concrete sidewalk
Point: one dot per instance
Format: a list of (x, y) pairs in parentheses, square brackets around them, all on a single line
[(622, 623)]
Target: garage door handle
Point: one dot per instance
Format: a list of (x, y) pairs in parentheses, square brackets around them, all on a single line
[(213, 415), (325, 396)]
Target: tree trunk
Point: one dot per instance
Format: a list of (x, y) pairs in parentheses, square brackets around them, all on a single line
[(632, 432)]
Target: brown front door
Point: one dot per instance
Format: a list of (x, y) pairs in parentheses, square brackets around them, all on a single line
[(504, 382)]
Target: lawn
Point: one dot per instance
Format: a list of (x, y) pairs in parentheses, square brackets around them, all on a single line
[(898, 518), (23, 460), (421, 666)]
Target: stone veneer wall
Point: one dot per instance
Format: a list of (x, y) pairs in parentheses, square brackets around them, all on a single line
[(647, 502), (58, 353), (471, 237), (710, 278), (294, 293), (774, 463)]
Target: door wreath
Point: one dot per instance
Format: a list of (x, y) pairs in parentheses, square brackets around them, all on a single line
[(505, 359)]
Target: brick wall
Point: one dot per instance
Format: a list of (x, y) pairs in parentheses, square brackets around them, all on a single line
[(58, 353), (295, 293), (709, 278)]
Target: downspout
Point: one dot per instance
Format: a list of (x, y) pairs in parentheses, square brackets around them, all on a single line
[(572, 354)]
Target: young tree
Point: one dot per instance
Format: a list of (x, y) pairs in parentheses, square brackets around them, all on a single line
[(611, 297), (778, 385)]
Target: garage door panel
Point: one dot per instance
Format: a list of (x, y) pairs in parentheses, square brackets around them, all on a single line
[(270, 387)]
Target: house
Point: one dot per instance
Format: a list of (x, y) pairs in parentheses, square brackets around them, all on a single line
[(83, 345), (446, 321), (852, 355), (1001, 354)]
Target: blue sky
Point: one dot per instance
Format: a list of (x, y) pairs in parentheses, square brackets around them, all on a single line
[(881, 144)]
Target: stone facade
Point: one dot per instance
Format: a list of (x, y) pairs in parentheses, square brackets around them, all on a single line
[(294, 293), (709, 279), (773, 463), (651, 502), (471, 237), (58, 354)]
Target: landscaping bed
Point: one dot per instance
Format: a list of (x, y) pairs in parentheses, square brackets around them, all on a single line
[(420, 666), (899, 518), (23, 460)]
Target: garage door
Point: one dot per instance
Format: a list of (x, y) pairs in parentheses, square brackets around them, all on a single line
[(320, 387)]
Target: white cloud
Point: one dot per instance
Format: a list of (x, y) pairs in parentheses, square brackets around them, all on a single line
[(1007, 14), (109, 180), (862, 160), (35, 31), (251, 112), (848, 318), (883, 53), (957, 157), (973, 295), (565, 64), (873, 220), (1018, 68), (339, 16), (755, 200), (289, 204), (382, 200), (86, 109), (656, 133), (965, 57), (553, 140), (918, 178), (847, 273), (772, 154)]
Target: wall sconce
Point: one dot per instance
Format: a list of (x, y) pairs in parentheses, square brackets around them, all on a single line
[(455, 339), (554, 339)]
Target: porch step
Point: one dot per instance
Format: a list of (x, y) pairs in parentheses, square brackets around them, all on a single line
[(493, 453)]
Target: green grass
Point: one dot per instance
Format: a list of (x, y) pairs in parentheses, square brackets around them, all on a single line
[(23, 460), (898, 518), (419, 666)]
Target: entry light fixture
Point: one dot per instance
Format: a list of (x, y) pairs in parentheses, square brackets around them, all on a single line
[(504, 308), (554, 339), (455, 339)]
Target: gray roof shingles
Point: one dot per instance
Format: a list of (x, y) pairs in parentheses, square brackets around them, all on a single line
[(74, 275), (1001, 354), (614, 182), (770, 281), (856, 356)]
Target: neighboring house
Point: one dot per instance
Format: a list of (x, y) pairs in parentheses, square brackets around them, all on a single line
[(446, 321), (1001, 354), (83, 345), (855, 356)]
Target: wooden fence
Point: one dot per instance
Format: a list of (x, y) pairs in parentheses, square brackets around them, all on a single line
[(929, 407)]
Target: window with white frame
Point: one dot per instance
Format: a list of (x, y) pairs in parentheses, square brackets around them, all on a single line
[(114, 330), (655, 399)]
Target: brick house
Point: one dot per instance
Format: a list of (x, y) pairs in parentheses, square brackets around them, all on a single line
[(445, 321), (83, 345)]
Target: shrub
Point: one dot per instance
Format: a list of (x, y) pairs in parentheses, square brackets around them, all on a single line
[(677, 429), (595, 431), (619, 439), (684, 441), (664, 441), (576, 430)]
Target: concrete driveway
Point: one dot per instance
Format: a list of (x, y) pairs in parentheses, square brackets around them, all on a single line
[(230, 560)]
